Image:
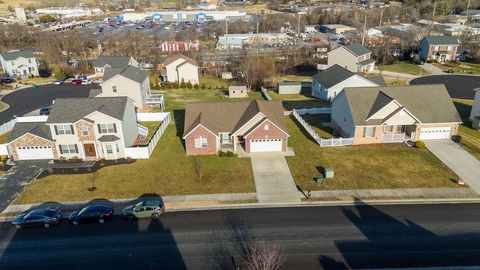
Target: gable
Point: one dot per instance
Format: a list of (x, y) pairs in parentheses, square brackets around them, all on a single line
[(354, 81), (401, 117), (265, 128), (387, 110), (198, 129), (97, 116)]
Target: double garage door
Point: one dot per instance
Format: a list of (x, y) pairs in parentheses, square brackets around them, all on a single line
[(265, 145), (34, 152), (435, 133)]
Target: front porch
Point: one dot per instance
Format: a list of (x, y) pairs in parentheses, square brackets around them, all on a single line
[(397, 133)]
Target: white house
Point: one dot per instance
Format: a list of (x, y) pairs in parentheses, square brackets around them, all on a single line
[(353, 57), (179, 69), (329, 83), (104, 61), (19, 63), (475, 113)]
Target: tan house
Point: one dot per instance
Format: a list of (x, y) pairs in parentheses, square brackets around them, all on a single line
[(250, 126), (179, 69), (353, 57), (439, 48), (395, 114), (83, 128), (105, 61), (475, 113), (237, 91)]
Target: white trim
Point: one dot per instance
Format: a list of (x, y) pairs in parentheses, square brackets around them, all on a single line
[(261, 123), (186, 135), (86, 116), (403, 109), (251, 119), (399, 105)]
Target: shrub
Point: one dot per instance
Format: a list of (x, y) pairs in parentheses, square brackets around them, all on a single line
[(189, 85), (230, 154), (175, 85), (196, 86), (203, 86), (419, 144), (222, 154), (450, 70), (456, 138), (183, 84), (3, 158)]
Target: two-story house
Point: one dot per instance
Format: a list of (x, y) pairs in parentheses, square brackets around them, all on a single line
[(438, 48), (83, 128), (104, 62), (19, 63), (353, 57), (475, 112), (179, 69)]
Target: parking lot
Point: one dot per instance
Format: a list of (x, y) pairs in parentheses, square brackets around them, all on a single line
[(458, 86)]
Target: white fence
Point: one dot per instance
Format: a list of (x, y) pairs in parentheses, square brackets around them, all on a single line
[(265, 94), (144, 152), (7, 127), (145, 117), (322, 142), (324, 110), (393, 137), (4, 150)]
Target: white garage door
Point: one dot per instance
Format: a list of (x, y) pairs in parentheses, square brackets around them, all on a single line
[(435, 133), (34, 152), (265, 145)]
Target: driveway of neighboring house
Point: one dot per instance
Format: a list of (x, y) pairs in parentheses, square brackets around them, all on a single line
[(433, 69), (273, 179), (20, 175), (458, 160)]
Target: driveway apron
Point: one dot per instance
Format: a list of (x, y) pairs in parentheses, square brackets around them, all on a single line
[(273, 179), (458, 160), (20, 175)]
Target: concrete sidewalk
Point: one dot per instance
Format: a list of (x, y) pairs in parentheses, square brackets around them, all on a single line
[(273, 179), (458, 160), (433, 69)]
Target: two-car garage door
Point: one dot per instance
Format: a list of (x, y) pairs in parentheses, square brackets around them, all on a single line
[(34, 152), (435, 133), (265, 145)]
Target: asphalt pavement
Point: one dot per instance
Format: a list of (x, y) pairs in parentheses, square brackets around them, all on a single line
[(458, 86), (27, 100), (310, 237)]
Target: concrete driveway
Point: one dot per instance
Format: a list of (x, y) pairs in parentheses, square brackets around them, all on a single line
[(273, 179), (432, 69), (458, 160)]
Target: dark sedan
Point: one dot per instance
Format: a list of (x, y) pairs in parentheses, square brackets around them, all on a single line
[(91, 213), (45, 217)]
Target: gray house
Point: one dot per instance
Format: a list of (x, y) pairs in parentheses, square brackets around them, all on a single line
[(353, 57), (104, 61)]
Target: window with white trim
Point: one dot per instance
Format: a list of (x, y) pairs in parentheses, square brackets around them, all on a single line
[(109, 148), (107, 128), (84, 129), (369, 132), (387, 129), (63, 129), (68, 149), (266, 127), (201, 142)]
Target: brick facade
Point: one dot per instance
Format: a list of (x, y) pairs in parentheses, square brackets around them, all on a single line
[(90, 137), (200, 132), (30, 140), (272, 132)]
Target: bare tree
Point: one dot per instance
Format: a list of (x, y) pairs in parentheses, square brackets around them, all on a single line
[(264, 257)]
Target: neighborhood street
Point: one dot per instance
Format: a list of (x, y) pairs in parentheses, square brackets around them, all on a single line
[(328, 237)]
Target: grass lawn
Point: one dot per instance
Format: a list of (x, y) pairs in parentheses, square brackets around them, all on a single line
[(152, 127), (212, 81), (316, 120), (470, 137), (298, 101), (167, 172), (394, 81), (36, 80), (404, 67), (296, 78), (460, 67), (365, 167), (4, 137)]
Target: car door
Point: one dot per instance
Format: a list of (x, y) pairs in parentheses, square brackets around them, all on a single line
[(140, 212), (88, 215), (149, 210), (33, 221)]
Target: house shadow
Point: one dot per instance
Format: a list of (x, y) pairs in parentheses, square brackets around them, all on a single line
[(464, 111), (304, 132), (179, 119), (389, 242)]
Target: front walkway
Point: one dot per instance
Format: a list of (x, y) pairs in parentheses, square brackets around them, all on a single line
[(458, 160), (433, 69), (273, 179)]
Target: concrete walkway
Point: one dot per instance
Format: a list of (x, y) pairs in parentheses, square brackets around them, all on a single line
[(458, 160), (394, 74), (433, 69), (273, 179)]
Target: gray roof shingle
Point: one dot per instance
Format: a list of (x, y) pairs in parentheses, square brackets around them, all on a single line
[(332, 76), (428, 103), (112, 61), (9, 56), (441, 40), (108, 138), (130, 72), (357, 49), (70, 110), (36, 128)]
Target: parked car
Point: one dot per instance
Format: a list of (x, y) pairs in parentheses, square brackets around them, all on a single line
[(144, 209), (86, 82), (45, 217), (59, 82), (76, 82), (45, 111), (91, 213), (6, 80)]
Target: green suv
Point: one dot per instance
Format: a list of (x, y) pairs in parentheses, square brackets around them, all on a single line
[(147, 208)]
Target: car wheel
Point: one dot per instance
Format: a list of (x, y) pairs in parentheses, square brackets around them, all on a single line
[(75, 222), (130, 217), (101, 220), (155, 216), (18, 227), (46, 225)]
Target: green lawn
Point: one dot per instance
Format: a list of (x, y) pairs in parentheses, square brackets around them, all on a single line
[(470, 137), (152, 127), (316, 120), (460, 67), (298, 101), (4, 137), (404, 67), (212, 81), (364, 167), (167, 172)]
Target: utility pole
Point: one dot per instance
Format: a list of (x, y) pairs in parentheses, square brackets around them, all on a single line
[(468, 6), (364, 30), (381, 17)]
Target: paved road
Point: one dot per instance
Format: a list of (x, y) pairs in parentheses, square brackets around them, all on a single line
[(311, 238), (458, 86), (458, 160), (26, 100)]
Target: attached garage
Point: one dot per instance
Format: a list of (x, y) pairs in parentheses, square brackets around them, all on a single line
[(435, 133), (265, 145), (34, 152)]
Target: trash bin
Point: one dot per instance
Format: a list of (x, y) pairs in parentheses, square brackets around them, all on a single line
[(456, 138), (319, 180), (34, 85)]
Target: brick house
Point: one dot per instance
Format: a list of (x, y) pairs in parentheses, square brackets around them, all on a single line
[(252, 126), (395, 114), (439, 48)]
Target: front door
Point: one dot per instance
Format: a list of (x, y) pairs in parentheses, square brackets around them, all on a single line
[(89, 150)]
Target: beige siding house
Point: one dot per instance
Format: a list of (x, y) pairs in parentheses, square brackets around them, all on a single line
[(104, 62), (475, 113), (180, 69), (237, 91), (395, 114), (354, 57)]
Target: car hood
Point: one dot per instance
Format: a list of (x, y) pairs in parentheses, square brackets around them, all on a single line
[(18, 219), (128, 209)]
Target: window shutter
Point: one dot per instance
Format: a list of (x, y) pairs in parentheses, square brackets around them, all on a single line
[(71, 129), (56, 130), (114, 128), (373, 131), (364, 132), (76, 148), (99, 130), (60, 147)]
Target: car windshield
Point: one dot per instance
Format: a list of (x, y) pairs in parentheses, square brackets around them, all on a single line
[(86, 210), (41, 212)]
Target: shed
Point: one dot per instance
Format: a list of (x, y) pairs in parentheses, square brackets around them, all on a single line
[(289, 87), (237, 91)]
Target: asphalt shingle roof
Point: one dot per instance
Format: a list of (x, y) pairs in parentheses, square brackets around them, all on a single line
[(357, 49), (333, 76), (70, 110), (9, 56), (428, 103), (441, 40), (36, 128), (112, 61), (108, 138), (130, 72), (230, 116), (179, 56)]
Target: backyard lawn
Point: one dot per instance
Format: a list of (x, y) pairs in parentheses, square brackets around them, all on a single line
[(167, 172), (404, 67), (470, 137), (316, 121), (296, 78), (299, 101), (364, 167), (394, 81), (152, 126), (460, 67)]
